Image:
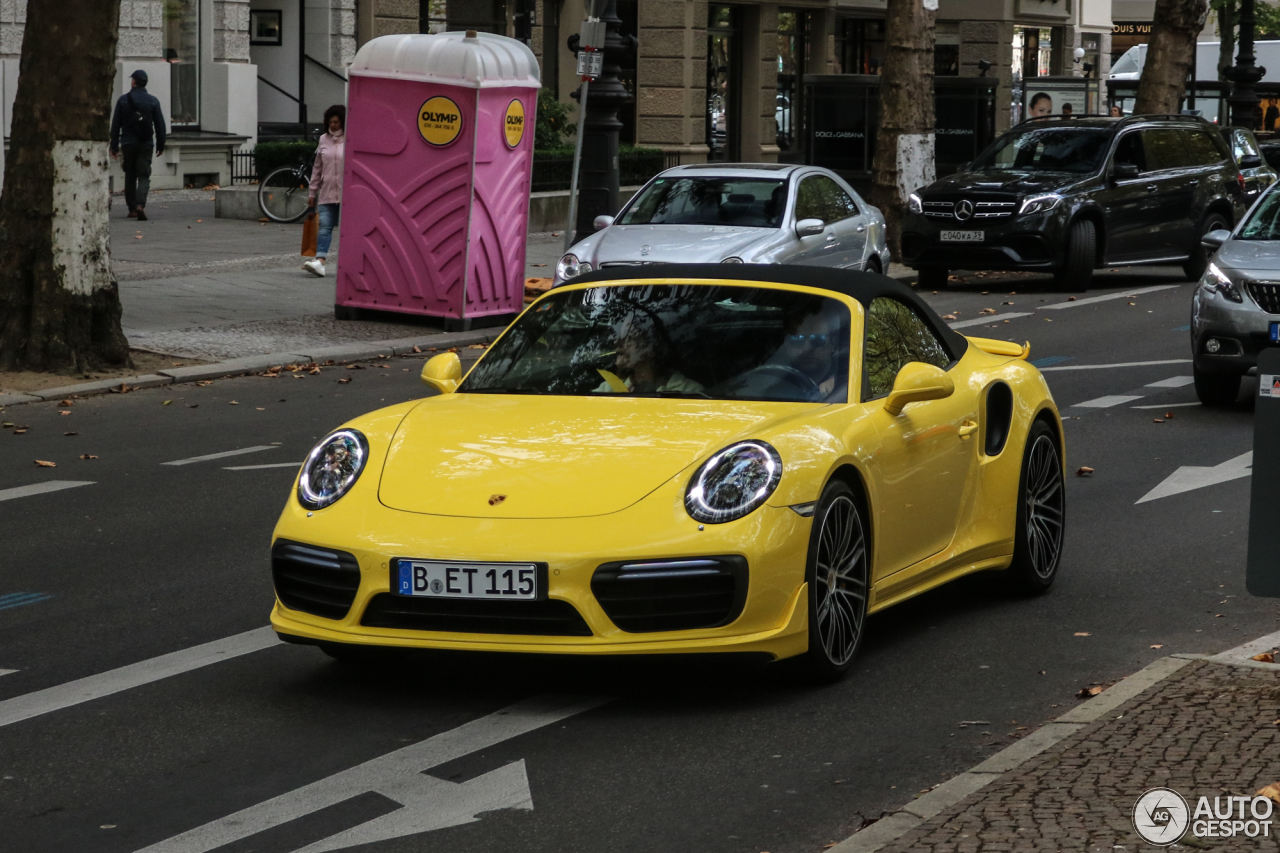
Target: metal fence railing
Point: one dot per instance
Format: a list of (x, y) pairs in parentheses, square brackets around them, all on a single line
[(243, 168)]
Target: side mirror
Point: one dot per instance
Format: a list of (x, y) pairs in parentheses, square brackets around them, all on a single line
[(810, 227), (916, 382), (1215, 238), (602, 221), (1250, 161), (443, 372), (1124, 171)]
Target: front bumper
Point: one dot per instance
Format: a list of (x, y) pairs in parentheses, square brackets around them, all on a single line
[(773, 541), (1242, 329), (1013, 243)]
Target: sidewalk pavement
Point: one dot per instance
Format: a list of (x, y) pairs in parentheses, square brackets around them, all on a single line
[(1202, 726)]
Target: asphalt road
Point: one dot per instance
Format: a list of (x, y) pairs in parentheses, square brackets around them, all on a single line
[(150, 559)]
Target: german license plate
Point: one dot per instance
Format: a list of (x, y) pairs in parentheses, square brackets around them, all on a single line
[(1275, 331), (442, 579), (962, 236)]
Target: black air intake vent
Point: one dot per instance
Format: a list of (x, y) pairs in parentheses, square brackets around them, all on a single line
[(644, 596), (546, 618), (314, 580)]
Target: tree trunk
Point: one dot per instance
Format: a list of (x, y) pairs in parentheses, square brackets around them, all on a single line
[(59, 304), (904, 158), (1226, 37), (1171, 52)]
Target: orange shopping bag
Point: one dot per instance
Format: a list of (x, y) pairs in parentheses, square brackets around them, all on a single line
[(310, 234)]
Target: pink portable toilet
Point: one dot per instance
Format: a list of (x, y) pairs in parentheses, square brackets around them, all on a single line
[(435, 190)]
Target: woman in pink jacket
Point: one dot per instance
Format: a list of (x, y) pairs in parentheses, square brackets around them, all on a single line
[(326, 183)]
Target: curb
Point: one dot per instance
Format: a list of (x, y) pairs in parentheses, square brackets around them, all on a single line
[(257, 363), (889, 829)]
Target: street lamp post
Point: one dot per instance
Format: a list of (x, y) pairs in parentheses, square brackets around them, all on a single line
[(599, 178), (1245, 73)]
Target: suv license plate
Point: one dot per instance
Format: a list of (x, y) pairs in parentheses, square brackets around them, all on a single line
[(1275, 331), (962, 236), (440, 579)]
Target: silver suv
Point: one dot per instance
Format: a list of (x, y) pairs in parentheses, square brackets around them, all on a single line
[(1235, 312)]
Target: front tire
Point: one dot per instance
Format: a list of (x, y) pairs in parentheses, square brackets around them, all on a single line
[(1216, 389), (838, 576), (1195, 265), (282, 195), (1042, 508), (1077, 264)]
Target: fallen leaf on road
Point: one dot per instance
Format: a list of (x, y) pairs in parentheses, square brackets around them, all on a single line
[(987, 311), (44, 463), (477, 346), (1006, 303), (1271, 792), (64, 413), (1071, 299), (1265, 657), (165, 403), (948, 316), (1088, 692), (193, 406), (137, 236), (234, 403), (65, 403), (964, 723), (1084, 471), (1217, 616), (199, 220), (21, 431), (7, 424), (203, 383), (260, 408), (264, 219), (452, 349), (87, 456), (415, 348), (1083, 634), (537, 265), (71, 433), (1157, 645), (344, 380), (1157, 420), (123, 389)]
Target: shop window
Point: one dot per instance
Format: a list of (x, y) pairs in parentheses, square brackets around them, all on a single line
[(859, 46), (182, 50), (793, 36), (723, 67), (483, 16), (946, 51)]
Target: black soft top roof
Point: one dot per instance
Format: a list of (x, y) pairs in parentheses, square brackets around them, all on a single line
[(862, 286)]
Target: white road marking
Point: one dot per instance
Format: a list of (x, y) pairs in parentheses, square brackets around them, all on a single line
[(1120, 364), (1172, 382), (261, 467), (223, 455), (1190, 477), (92, 687), (7, 671), (990, 318), (1165, 406), (41, 488), (427, 803), (1093, 300), (1107, 402)]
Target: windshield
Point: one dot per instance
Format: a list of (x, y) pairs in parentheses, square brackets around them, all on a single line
[(1264, 222), (696, 341), (1046, 149), (750, 202), (1131, 62)]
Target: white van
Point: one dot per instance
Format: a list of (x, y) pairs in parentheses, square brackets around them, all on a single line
[(1129, 66)]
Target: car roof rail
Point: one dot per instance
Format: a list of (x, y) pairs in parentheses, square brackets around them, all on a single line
[(1153, 117)]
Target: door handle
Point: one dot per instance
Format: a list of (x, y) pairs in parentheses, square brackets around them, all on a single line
[(861, 228), (831, 238), (967, 428)]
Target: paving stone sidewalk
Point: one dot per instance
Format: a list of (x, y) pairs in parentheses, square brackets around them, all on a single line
[(1210, 729)]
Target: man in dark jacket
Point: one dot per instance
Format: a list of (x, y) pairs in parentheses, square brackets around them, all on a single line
[(136, 124)]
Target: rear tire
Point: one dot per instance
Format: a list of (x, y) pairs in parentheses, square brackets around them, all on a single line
[(1042, 513), (1216, 389), (1078, 260), (1195, 265), (837, 573), (933, 278), (282, 195)]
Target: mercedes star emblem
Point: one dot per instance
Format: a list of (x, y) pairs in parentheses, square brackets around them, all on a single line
[(964, 209)]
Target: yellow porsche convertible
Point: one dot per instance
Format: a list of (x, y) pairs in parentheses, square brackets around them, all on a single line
[(675, 459)]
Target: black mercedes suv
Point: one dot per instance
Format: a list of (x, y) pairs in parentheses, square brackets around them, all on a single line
[(1066, 195)]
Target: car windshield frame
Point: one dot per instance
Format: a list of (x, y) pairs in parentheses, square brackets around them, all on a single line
[(724, 341), (988, 160), (744, 201), (1251, 228)]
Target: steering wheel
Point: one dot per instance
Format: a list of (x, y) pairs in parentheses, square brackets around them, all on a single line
[(796, 378)]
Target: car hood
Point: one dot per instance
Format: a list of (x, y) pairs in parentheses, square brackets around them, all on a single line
[(1261, 257), (554, 457), (1020, 183), (675, 243)]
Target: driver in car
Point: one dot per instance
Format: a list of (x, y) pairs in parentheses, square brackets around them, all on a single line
[(811, 346), (645, 363)]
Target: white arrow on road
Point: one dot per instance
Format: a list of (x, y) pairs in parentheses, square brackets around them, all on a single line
[(1190, 477), (426, 803)]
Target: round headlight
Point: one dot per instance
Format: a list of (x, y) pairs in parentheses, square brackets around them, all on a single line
[(570, 267), (332, 468), (733, 482)]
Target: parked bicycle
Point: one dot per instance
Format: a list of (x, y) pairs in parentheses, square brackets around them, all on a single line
[(282, 194)]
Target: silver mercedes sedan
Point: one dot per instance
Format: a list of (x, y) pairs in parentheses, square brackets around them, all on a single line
[(737, 213), (1235, 312)]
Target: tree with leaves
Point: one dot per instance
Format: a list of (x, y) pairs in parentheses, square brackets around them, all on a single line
[(59, 303), (1170, 54), (904, 158)]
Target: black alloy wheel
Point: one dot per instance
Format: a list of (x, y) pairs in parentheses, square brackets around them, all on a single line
[(1042, 511), (1195, 265), (1079, 257), (933, 278), (1216, 389), (838, 575)]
